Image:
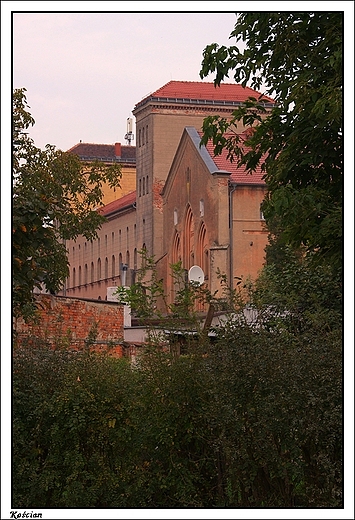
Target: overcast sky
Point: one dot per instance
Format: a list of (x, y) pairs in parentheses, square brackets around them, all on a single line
[(84, 72)]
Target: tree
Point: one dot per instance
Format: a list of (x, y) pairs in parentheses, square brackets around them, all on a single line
[(55, 198), (297, 59)]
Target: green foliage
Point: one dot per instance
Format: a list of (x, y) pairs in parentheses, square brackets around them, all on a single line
[(55, 198), (276, 405), (252, 420), (149, 303), (146, 295), (297, 59), (67, 407)]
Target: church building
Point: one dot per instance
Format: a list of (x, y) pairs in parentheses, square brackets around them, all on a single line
[(186, 205)]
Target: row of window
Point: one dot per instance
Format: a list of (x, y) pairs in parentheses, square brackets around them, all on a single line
[(87, 274), (98, 240), (143, 136), (143, 188)]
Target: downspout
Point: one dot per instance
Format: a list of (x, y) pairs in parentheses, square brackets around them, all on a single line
[(232, 188)]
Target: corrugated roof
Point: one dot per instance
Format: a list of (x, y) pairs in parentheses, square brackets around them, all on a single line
[(119, 204), (238, 174), (205, 91), (103, 151)]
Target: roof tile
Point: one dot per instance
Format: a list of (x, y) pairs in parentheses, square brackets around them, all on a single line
[(116, 205), (102, 151), (239, 174), (206, 91)]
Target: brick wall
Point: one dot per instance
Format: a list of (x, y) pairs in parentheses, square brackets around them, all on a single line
[(71, 322)]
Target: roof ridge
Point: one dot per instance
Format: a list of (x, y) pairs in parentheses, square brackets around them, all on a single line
[(119, 203)]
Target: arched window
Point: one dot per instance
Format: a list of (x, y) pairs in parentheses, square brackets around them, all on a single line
[(189, 239), (92, 272), (146, 184), (143, 185), (99, 269), (172, 283), (176, 250), (202, 250), (144, 253), (120, 266), (79, 275), (113, 266), (202, 208), (85, 274), (74, 280), (106, 267)]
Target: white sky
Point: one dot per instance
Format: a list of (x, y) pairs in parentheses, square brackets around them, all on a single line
[(84, 72)]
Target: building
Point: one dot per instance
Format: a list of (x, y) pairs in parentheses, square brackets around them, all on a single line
[(179, 187), (212, 216), (123, 155)]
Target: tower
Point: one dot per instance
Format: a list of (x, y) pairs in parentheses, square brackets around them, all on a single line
[(160, 120)]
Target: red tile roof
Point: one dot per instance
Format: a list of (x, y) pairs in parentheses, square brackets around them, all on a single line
[(196, 90), (238, 174), (103, 151), (119, 204)]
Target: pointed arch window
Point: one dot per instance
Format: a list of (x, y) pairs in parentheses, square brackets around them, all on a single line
[(202, 251), (176, 249), (189, 239), (99, 269)]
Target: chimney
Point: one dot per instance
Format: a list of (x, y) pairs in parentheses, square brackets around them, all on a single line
[(118, 149)]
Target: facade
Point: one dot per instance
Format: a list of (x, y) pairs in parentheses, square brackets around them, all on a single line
[(101, 263), (178, 187), (125, 156), (212, 215)]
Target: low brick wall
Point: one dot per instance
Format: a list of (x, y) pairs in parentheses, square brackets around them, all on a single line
[(75, 323)]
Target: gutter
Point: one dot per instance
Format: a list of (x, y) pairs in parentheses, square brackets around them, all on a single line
[(232, 188)]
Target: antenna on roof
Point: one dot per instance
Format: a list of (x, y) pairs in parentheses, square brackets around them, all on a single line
[(129, 136)]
